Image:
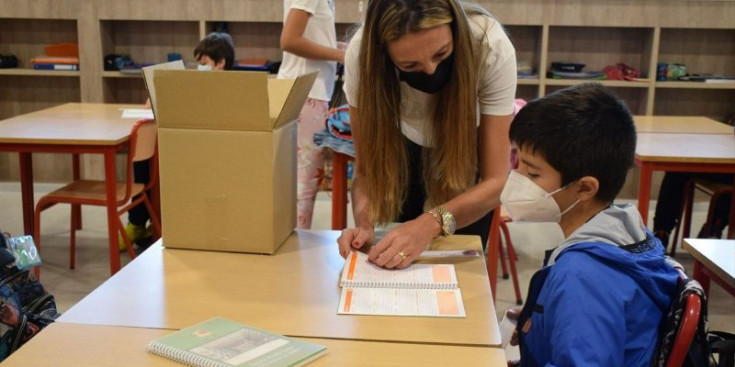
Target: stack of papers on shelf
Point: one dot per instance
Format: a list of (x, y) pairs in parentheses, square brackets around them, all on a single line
[(419, 290), (557, 74), (55, 63)]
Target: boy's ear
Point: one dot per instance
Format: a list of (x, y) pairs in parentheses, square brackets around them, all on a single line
[(587, 188), (220, 65)]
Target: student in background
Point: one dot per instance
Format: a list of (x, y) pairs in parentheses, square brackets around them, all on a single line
[(215, 52), (601, 295), (431, 86), (309, 43), (670, 204)]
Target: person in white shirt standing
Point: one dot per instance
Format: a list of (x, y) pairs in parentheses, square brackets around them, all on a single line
[(309, 43)]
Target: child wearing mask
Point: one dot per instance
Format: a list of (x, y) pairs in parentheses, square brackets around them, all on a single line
[(601, 294), (215, 52)]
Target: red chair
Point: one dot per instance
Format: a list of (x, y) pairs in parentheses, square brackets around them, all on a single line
[(687, 329), (713, 189), (339, 189), (498, 225), (141, 146)]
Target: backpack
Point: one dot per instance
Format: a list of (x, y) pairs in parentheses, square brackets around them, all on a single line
[(25, 305), (705, 344)]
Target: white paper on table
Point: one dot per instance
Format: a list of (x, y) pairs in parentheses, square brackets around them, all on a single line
[(137, 113), (401, 302)]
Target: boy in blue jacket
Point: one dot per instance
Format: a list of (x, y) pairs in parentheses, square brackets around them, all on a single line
[(601, 294)]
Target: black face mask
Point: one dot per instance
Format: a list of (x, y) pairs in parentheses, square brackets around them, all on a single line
[(429, 83)]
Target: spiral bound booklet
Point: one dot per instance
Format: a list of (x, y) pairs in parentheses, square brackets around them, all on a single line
[(220, 342), (419, 290)]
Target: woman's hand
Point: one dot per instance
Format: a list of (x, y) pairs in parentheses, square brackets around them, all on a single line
[(354, 238), (401, 246)]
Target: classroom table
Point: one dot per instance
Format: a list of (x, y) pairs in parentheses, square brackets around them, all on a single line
[(711, 153), (72, 345), (680, 125), (294, 292), (715, 260), (72, 128)]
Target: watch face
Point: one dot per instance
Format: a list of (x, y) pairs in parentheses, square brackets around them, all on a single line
[(448, 223)]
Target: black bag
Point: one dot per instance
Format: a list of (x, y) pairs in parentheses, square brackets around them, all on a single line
[(25, 305), (722, 344), (8, 61)]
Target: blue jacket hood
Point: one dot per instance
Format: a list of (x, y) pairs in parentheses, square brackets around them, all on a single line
[(618, 236)]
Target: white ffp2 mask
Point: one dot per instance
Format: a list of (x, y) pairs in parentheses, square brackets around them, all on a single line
[(528, 202), (204, 67)]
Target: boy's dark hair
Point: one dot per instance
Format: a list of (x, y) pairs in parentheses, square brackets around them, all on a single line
[(584, 130), (217, 46)]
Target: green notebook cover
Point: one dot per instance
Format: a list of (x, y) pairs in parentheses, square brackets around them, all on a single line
[(221, 342)]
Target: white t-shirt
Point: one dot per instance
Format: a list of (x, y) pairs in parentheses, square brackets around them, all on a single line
[(496, 86), (320, 30)]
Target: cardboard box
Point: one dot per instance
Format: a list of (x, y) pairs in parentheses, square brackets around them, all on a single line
[(227, 146)]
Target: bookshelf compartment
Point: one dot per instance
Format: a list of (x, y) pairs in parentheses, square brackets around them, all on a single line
[(635, 98), (527, 92), (713, 103), (21, 94), (125, 90), (253, 40), (27, 38), (703, 51), (149, 41), (598, 47), (527, 42)]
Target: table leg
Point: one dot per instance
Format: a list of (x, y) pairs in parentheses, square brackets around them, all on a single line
[(26, 190), (701, 277), (731, 224), (644, 191), (76, 209), (111, 185), (339, 191), (493, 248), (156, 189)]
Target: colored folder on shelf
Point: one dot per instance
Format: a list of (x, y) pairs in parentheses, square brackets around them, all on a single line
[(54, 60), (65, 67)]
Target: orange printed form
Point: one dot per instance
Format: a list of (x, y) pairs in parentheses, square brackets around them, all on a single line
[(428, 290), (351, 267)]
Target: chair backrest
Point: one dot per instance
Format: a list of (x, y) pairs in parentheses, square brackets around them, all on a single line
[(686, 332), (683, 325), (142, 145), (145, 134)]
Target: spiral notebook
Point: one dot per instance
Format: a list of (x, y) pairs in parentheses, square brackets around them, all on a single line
[(419, 290), (220, 342)]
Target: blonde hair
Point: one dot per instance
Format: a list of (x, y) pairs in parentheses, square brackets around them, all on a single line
[(451, 166)]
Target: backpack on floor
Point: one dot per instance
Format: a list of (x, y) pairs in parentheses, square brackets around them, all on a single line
[(25, 305)]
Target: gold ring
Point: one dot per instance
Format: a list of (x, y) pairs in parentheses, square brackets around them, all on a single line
[(402, 254)]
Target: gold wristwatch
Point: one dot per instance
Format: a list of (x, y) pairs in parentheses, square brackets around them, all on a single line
[(445, 219)]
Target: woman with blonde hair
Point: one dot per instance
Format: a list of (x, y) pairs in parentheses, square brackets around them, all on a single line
[(431, 85)]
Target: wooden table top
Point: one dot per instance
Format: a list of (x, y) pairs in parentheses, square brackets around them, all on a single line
[(695, 148), (716, 255), (294, 292), (681, 125), (71, 123), (71, 345)]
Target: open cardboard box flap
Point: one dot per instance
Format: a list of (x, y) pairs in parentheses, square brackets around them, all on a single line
[(240, 100)]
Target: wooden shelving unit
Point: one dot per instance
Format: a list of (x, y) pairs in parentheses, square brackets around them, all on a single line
[(699, 34)]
